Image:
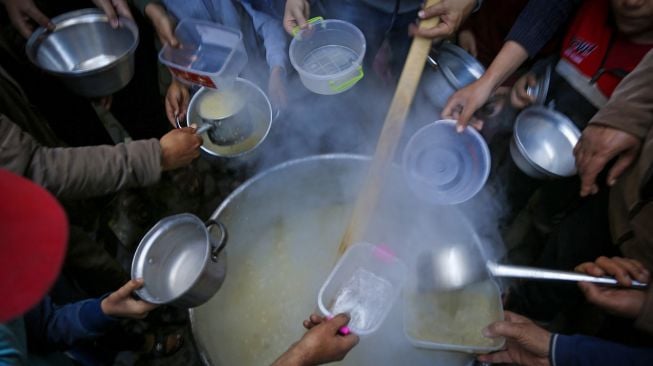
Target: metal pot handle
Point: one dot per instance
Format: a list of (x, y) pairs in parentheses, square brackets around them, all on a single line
[(222, 242), (431, 61)]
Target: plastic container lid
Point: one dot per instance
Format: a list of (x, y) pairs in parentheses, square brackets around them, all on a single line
[(453, 320), (209, 54), (443, 166), (365, 283)]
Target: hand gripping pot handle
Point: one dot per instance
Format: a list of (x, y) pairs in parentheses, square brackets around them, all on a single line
[(217, 242)]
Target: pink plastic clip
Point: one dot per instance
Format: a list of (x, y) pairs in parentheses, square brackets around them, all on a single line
[(384, 253), (343, 330)]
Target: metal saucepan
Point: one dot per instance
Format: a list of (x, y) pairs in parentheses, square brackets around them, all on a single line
[(455, 266), (181, 260), (450, 68)]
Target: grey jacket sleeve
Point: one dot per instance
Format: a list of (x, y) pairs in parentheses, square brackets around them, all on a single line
[(80, 172), (539, 21)]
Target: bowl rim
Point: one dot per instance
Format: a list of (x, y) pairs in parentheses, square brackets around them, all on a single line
[(450, 123), (538, 109), (68, 19)]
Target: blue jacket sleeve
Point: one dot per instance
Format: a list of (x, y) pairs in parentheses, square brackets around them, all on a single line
[(539, 21), (580, 350), (271, 32), (50, 327)]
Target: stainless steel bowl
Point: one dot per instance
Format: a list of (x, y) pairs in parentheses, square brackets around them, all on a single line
[(85, 52), (543, 142), (244, 125)]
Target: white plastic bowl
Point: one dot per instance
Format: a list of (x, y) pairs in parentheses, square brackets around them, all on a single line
[(453, 320), (365, 283), (328, 56), (445, 167)]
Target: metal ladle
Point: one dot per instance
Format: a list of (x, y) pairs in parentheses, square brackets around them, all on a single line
[(456, 266), (230, 130)]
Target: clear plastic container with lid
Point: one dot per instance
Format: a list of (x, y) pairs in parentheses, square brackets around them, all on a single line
[(209, 54), (365, 283)]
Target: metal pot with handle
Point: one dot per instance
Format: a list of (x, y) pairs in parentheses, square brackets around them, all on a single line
[(181, 260), (450, 68)]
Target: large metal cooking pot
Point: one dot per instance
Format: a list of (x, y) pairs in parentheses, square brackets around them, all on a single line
[(181, 260), (450, 68), (285, 225), (85, 52)]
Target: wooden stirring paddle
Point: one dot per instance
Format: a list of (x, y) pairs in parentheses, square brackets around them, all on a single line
[(392, 129)]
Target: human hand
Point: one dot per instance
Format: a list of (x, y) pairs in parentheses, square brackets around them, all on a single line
[(596, 147), (526, 343), (179, 148), (21, 14), (619, 301), (452, 14), (467, 42), (163, 24), (519, 96), (121, 304), (465, 102), (295, 14), (277, 88), (321, 344), (113, 9), (177, 99)]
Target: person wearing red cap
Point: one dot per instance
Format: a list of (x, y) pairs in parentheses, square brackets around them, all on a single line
[(34, 232)]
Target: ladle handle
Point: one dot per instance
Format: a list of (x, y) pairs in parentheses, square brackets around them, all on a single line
[(502, 270)]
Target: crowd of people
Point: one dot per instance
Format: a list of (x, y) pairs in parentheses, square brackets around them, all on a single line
[(63, 176)]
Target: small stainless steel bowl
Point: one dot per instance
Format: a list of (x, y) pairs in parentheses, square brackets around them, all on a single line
[(85, 52), (543, 143)]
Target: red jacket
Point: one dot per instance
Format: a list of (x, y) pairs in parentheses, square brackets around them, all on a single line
[(594, 56)]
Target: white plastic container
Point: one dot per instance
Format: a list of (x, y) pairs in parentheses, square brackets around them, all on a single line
[(453, 320), (328, 56), (209, 54), (365, 283)]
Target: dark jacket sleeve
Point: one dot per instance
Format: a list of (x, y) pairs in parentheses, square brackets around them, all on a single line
[(50, 327), (539, 21), (580, 350), (79, 172)]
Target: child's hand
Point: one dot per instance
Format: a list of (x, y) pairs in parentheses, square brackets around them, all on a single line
[(296, 14), (177, 99), (520, 97), (163, 24), (121, 304)]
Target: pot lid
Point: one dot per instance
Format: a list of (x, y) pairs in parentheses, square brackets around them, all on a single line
[(459, 67)]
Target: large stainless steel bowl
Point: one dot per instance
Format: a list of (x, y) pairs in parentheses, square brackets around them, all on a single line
[(85, 52), (543, 143), (285, 226)]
